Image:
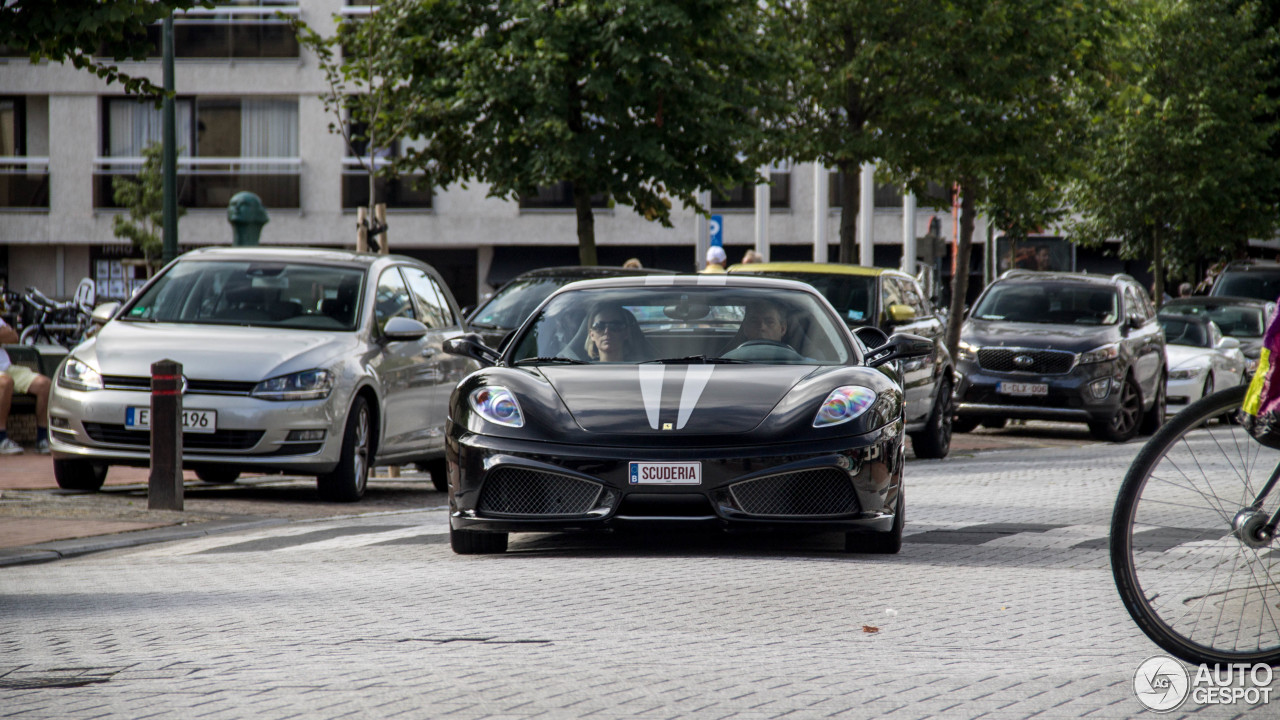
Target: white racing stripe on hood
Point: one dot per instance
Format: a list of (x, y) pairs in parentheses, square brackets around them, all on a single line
[(695, 380), (651, 391)]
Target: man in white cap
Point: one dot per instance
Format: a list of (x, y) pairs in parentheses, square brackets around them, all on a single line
[(715, 260)]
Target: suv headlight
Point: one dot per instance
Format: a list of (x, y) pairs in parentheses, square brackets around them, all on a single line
[(497, 405), (844, 404), (1100, 354), (77, 375), (966, 351), (305, 385)]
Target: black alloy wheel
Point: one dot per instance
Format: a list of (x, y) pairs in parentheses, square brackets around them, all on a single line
[(934, 441), (1124, 423)]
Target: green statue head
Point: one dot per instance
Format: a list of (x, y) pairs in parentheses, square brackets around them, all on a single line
[(247, 216)]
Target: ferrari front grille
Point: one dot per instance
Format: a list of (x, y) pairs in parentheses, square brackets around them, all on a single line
[(824, 491), (520, 491)]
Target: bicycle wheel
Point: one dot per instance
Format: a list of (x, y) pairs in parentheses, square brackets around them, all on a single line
[(1185, 548)]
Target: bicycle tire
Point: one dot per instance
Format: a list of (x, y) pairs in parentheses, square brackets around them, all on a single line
[(1188, 581)]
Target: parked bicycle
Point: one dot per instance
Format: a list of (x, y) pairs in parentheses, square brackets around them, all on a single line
[(53, 322), (1193, 537)]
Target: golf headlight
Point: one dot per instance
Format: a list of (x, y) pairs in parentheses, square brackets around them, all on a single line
[(1101, 354), (305, 385), (966, 351), (77, 375), (1184, 374), (844, 404), (497, 405)]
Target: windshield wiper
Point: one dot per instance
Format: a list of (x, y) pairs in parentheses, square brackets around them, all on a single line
[(700, 360), (571, 361)]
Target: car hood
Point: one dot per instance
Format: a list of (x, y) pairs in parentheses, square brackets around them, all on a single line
[(1185, 356), (1073, 338), (698, 399), (212, 351)]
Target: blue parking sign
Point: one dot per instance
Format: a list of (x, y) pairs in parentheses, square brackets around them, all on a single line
[(717, 230)]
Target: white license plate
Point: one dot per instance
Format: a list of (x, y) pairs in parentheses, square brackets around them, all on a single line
[(1012, 388), (666, 473), (193, 421)]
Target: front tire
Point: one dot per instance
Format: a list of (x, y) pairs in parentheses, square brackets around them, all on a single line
[(474, 542), (886, 543), (1154, 419), (75, 474), (347, 482), (218, 475), (1126, 419), (934, 441), (439, 469)]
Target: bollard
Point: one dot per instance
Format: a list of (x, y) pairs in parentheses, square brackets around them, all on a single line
[(164, 487)]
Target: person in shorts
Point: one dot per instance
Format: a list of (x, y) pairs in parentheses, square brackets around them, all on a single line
[(18, 378)]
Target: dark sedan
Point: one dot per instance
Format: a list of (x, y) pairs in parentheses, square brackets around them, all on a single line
[(712, 400)]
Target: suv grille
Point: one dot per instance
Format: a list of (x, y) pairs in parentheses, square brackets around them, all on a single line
[(517, 491), (826, 491), (1043, 362)]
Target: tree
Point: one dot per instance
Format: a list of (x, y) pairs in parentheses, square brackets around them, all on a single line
[(1180, 168), (644, 101), (143, 225), (77, 30), (994, 111)]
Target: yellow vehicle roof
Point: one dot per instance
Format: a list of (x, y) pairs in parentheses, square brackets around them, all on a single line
[(814, 268)]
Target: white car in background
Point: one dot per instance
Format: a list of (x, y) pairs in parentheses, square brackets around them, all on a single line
[(1199, 358)]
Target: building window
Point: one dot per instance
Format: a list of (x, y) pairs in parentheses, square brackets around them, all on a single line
[(404, 193), (558, 197), (24, 180), (887, 196), (231, 29), (743, 197), (225, 145)]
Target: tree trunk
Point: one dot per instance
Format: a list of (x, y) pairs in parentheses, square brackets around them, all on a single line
[(960, 279), (850, 199), (586, 226), (1157, 267)]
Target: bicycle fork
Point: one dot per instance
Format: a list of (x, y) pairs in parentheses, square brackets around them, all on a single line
[(1251, 525)]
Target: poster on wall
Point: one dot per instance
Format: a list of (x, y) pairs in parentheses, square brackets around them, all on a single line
[(1036, 253)]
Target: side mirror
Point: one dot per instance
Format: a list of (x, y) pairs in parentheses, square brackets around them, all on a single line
[(899, 314), (872, 337), (399, 329), (1134, 322), (104, 312), (1228, 343), (901, 346), (470, 345)]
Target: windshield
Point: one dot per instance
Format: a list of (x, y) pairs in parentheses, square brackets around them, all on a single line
[(853, 296), (1179, 331), (513, 303), (683, 325), (257, 293), (1257, 284), (1236, 321), (1055, 304)]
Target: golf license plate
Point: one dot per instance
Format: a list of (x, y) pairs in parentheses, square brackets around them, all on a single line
[(193, 421), (666, 473), (1014, 388)]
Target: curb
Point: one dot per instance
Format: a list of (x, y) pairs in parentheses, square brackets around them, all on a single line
[(59, 549)]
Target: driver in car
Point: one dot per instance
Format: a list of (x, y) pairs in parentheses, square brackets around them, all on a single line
[(763, 321)]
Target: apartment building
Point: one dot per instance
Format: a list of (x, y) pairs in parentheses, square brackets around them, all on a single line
[(250, 117)]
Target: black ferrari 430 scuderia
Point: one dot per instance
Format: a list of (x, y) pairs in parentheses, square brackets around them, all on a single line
[(734, 402)]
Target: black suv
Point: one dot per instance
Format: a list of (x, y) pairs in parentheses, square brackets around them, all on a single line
[(1063, 346), (1257, 279)]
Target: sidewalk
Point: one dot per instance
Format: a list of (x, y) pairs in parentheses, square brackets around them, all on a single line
[(40, 522)]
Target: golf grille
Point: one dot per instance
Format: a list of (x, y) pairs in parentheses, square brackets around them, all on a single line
[(1043, 362), (518, 491), (825, 491), (220, 440)]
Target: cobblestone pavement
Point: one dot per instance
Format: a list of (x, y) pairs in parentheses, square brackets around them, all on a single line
[(1002, 597)]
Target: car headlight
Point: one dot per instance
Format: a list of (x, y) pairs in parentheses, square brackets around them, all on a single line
[(966, 351), (305, 385), (1100, 354), (1185, 373), (77, 375), (844, 404), (497, 405)]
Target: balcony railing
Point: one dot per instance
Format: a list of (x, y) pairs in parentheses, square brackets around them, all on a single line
[(398, 193), (210, 182), (229, 31), (24, 183)]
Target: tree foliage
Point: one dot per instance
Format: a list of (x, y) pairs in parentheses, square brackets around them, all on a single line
[(1180, 169), (76, 30), (142, 198), (645, 101)]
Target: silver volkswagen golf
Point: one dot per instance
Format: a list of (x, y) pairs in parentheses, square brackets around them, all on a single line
[(307, 361)]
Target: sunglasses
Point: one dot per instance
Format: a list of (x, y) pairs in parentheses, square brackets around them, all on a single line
[(608, 326)]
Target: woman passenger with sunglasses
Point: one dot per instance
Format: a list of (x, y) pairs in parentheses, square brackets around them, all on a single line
[(611, 335)]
